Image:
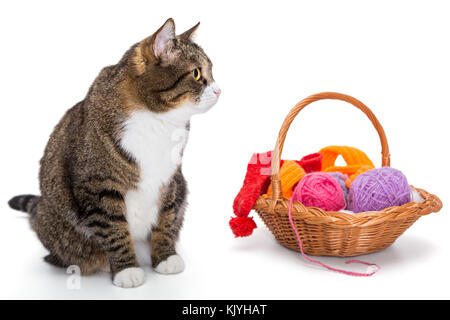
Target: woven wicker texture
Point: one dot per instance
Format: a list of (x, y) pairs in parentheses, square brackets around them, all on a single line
[(335, 233)]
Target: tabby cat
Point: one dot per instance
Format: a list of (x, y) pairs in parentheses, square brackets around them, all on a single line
[(112, 191)]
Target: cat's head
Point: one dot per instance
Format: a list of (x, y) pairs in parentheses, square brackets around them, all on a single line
[(171, 72)]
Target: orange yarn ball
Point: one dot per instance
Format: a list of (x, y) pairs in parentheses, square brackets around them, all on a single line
[(290, 174)]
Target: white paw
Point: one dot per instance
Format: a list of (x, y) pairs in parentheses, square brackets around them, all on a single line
[(129, 278), (173, 264)]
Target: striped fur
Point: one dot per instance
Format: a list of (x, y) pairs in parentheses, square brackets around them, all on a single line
[(86, 174), (26, 203)]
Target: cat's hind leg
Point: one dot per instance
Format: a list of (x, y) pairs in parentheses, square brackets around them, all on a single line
[(66, 245)]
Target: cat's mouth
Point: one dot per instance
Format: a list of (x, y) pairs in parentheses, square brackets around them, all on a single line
[(209, 97), (217, 92)]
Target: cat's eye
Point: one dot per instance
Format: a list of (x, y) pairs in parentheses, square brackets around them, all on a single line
[(197, 74)]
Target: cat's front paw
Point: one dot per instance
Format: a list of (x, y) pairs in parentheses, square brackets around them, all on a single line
[(129, 278), (173, 264)]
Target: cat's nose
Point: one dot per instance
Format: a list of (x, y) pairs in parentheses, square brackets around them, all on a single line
[(216, 89)]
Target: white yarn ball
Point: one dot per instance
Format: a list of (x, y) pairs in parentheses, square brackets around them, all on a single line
[(415, 196)]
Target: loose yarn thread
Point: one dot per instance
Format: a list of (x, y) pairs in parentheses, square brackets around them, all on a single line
[(349, 273)]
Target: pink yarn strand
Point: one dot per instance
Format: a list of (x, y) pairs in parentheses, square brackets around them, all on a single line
[(349, 273)]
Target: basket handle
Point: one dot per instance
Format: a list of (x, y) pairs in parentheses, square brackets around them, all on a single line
[(276, 181)]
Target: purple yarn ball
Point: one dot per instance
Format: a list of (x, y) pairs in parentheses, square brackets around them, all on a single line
[(341, 179), (378, 189)]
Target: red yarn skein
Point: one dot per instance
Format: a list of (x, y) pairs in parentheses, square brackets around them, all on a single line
[(311, 162), (255, 183)]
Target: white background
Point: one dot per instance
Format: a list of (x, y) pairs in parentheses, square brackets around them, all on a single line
[(392, 55)]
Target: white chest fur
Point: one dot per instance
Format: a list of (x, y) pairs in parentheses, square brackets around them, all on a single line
[(156, 142)]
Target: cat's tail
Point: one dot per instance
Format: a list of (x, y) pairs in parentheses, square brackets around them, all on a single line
[(26, 203)]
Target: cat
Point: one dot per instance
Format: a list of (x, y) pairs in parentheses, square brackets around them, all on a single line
[(113, 194)]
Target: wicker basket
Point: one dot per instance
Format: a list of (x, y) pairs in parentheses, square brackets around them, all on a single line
[(335, 233)]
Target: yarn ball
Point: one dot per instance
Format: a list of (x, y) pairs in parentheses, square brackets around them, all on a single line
[(378, 189), (416, 196), (290, 174), (346, 211), (321, 190), (342, 180)]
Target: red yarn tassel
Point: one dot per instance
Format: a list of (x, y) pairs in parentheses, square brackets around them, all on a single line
[(242, 226)]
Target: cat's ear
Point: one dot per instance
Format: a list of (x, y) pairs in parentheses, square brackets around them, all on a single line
[(163, 39), (189, 34), (156, 47)]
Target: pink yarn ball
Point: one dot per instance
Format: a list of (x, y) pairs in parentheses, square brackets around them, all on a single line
[(321, 190)]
